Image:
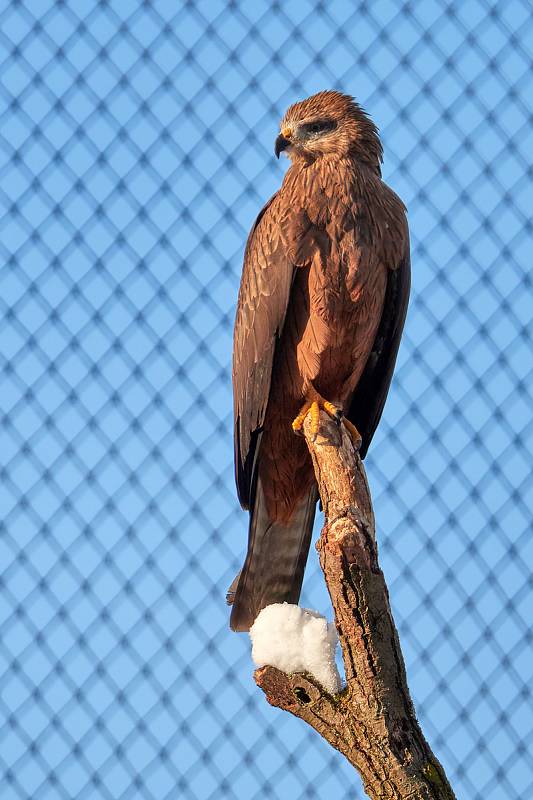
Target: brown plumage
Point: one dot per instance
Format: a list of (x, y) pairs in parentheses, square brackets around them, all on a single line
[(321, 308)]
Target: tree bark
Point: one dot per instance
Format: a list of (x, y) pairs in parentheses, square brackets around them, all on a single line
[(372, 722)]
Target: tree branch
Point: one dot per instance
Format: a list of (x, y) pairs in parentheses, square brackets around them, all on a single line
[(372, 722)]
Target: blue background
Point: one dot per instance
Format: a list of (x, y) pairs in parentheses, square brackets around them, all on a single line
[(136, 150)]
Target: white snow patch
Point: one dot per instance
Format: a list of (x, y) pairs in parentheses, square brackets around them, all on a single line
[(295, 639)]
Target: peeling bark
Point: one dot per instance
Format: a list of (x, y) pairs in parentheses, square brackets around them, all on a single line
[(372, 722)]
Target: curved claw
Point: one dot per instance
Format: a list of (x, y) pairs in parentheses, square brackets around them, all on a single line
[(333, 411)]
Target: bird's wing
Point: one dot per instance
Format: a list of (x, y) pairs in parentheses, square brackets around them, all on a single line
[(261, 308), (371, 392), (282, 239)]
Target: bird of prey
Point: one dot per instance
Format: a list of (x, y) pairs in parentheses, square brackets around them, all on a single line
[(321, 308)]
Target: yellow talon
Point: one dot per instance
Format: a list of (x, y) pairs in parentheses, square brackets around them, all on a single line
[(332, 410), (313, 408), (354, 433), (298, 423), (315, 418)]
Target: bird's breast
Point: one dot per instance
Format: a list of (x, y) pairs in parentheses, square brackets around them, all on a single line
[(343, 302)]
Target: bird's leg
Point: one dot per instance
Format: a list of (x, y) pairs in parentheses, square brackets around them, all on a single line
[(313, 407)]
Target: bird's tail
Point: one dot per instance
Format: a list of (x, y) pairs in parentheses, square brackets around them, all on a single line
[(275, 562)]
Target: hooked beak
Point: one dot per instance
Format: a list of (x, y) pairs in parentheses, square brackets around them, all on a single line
[(281, 144)]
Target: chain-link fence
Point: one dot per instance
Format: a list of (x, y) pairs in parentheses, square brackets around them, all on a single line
[(136, 150)]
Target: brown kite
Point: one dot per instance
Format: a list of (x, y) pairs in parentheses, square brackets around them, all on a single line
[(321, 308)]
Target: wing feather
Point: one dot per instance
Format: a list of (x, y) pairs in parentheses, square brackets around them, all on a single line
[(261, 309)]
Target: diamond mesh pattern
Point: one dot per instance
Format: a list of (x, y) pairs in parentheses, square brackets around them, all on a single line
[(136, 150)]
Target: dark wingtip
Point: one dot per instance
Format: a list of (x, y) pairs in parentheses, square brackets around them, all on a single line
[(238, 622)]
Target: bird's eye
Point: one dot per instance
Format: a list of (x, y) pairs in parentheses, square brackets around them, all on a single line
[(318, 126)]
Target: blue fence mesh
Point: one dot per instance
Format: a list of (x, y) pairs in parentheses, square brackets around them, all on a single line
[(136, 150)]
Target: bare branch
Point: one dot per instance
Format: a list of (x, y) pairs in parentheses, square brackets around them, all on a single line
[(372, 722)]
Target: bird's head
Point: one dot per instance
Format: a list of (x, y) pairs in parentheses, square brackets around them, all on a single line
[(329, 124)]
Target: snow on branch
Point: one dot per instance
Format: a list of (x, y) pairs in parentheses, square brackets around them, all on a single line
[(295, 639)]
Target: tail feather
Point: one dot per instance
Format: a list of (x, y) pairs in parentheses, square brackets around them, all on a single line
[(275, 562)]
